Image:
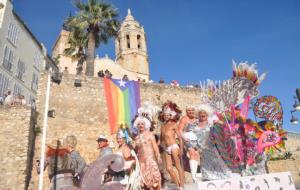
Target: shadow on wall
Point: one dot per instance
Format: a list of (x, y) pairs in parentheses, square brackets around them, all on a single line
[(33, 132)]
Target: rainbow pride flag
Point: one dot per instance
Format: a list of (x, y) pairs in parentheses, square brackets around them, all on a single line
[(123, 100)]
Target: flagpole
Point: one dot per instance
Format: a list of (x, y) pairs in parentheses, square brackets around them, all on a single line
[(42, 163)]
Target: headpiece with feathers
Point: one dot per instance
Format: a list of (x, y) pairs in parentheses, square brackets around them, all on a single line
[(145, 114), (206, 108), (172, 109), (244, 70), (148, 110), (142, 119)]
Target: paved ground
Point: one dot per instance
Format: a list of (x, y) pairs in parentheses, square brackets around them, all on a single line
[(187, 186)]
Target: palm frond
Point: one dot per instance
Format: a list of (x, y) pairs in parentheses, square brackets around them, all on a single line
[(77, 41), (94, 17), (79, 5)]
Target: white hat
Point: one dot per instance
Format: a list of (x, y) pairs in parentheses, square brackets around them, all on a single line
[(207, 108), (102, 137), (144, 120)]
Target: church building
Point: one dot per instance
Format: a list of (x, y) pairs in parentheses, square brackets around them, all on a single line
[(130, 51)]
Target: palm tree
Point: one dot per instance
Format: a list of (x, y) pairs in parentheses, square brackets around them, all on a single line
[(77, 42), (98, 20)]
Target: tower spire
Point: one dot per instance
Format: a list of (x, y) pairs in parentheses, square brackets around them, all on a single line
[(131, 47), (129, 17)]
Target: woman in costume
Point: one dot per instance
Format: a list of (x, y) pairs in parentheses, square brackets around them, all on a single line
[(187, 125), (147, 153), (59, 163), (212, 165), (124, 151)]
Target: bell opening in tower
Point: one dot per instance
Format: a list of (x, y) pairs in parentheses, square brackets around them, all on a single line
[(128, 41), (139, 41)]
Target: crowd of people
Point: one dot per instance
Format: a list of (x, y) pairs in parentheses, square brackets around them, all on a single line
[(11, 100), (181, 140)]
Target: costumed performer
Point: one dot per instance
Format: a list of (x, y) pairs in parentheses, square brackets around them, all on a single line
[(187, 125), (169, 115), (147, 153), (59, 163), (79, 164), (124, 151), (212, 165)]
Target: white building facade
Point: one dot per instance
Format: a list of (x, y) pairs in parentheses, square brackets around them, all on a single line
[(22, 56)]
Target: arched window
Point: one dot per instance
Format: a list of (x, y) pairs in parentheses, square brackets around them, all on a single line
[(128, 41), (138, 41)]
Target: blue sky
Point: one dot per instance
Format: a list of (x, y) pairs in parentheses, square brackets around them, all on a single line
[(192, 40)]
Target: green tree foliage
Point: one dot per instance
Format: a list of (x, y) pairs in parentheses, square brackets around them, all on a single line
[(77, 43), (98, 21)]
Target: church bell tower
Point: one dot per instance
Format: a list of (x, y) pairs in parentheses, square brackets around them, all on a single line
[(131, 47)]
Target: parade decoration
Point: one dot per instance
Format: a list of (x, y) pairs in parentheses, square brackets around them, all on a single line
[(123, 100), (281, 180), (228, 137), (97, 170), (267, 139), (241, 142), (243, 70), (269, 108), (221, 95), (272, 137)]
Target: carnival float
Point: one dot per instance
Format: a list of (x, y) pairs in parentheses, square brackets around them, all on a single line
[(234, 148)]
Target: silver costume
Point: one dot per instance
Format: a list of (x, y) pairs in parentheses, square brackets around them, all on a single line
[(212, 165), (189, 134)]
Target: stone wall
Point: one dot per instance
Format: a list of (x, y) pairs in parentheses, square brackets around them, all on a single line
[(82, 112), (293, 143), (16, 134), (293, 164)]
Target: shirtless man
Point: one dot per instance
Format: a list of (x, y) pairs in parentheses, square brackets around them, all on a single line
[(186, 126), (170, 115)]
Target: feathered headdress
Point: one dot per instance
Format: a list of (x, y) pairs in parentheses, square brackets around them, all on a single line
[(148, 110), (145, 115), (123, 132), (171, 109), (144, 120), (247, 71), (207, 108)]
